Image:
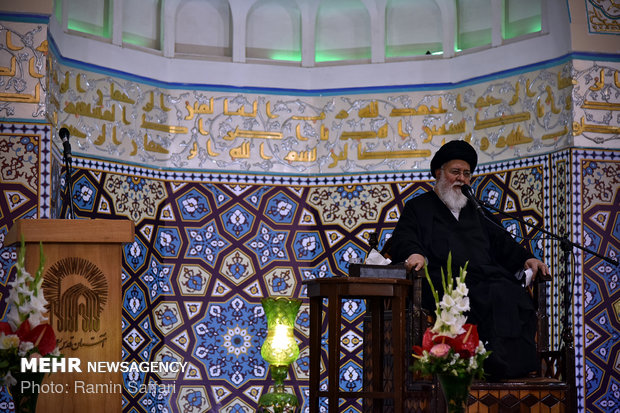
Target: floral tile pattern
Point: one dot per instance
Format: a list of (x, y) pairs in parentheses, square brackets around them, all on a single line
[(192, 283)]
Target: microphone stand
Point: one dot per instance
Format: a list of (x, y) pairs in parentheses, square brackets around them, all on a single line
[(566, 245), (69, 179)]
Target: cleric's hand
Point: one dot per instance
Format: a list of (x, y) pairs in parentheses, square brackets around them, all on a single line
[(536, 265), (415, 262)]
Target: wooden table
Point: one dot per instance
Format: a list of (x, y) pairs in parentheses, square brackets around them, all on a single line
[(375, 291)]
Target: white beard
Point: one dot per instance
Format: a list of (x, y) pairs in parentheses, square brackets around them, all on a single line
[(451, 195)]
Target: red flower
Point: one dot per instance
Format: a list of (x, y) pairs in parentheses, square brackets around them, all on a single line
[(6, 328), (42, 336), (464, 344), (417, 350)]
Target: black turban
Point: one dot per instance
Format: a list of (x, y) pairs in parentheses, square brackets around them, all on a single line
[(454, 150)]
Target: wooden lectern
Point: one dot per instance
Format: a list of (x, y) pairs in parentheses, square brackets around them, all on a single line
[(82, 285), (375, 291)]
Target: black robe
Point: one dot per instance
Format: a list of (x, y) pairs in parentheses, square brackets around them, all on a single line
[(501, 308)]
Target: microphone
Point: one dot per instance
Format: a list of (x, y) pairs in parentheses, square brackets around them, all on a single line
[(469, 194), (64, 135)]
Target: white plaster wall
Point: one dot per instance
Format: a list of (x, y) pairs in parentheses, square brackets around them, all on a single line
[(428, 71)]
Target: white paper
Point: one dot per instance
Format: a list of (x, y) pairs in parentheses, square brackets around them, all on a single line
[(528, 277), (375, 258)]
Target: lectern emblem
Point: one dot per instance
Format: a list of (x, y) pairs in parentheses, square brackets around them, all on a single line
[(77, 291)]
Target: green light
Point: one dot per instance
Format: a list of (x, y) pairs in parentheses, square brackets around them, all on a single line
[(413, 50), (280, 349), (473, 39), (339, 55), (58, 10), (88, 28), (286, 56), (324, 57), (522, 27), (140, 41)]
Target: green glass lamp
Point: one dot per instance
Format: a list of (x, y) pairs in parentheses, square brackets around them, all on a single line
[(280, 349)]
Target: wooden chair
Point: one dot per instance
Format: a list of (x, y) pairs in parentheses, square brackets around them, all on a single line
[(550, 388)]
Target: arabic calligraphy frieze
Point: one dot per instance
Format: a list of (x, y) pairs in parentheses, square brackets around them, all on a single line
[(597, 103), (202, 130), (603, 16), (23, 51)]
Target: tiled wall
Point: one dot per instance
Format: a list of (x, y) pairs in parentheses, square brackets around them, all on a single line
[(216, 230)]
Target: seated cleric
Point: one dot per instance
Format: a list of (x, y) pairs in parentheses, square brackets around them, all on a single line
[(443, 221)]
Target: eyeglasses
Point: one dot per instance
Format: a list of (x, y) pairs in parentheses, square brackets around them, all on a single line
[(456, 172)]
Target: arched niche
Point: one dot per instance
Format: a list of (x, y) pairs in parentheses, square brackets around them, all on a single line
[(474, 24), (274, 31), (342, 31), (142, 23), (203, 28), (521, 17), (412, 28), (89, 16)]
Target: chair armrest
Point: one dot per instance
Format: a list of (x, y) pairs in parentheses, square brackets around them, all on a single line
[(539, 292), (420, 318), (540, 277)]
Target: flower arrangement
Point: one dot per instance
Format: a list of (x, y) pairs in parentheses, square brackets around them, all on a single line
[(25, 335), (451, 347)]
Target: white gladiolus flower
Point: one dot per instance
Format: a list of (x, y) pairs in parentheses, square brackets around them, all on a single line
[(24, 348), (449, 322), (446, 318), (462, 304), (8, 380), (446, 302), (36, 318), (20, 289), (26, 304), (462, 289), (13, 318), (36, 308), (25, 300), (450, 318)]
